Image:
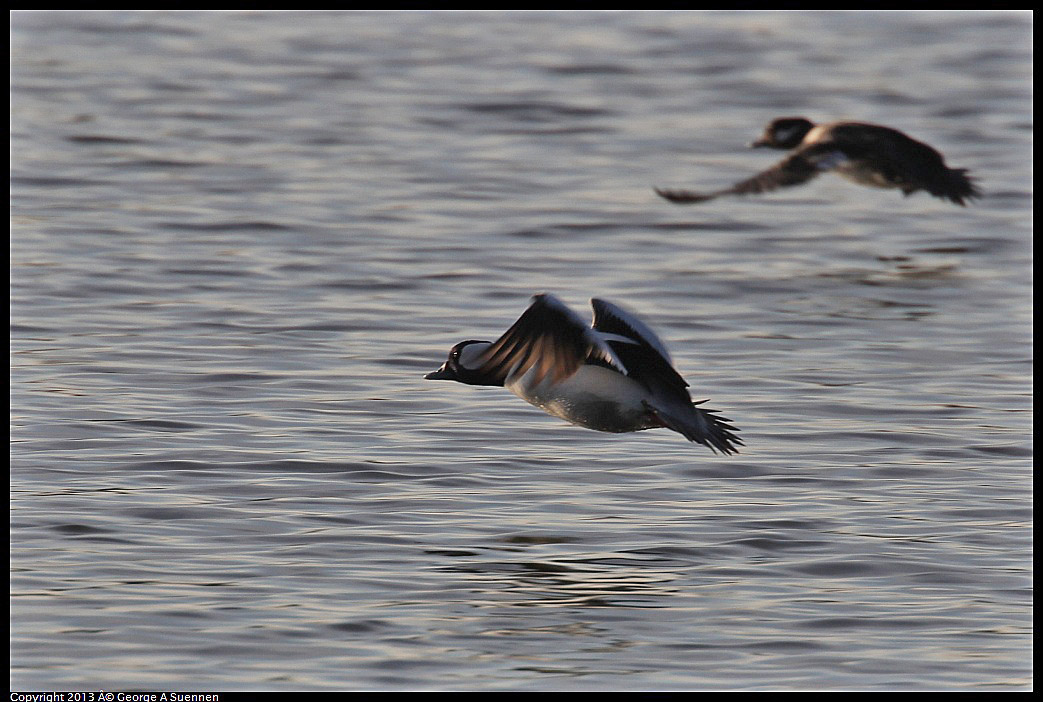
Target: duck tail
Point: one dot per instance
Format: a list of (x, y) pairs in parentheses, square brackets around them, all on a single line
[(957, 187), (703, 426)]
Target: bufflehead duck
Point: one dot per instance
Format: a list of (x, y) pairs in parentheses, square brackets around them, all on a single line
[(868, 154), (615, 375)]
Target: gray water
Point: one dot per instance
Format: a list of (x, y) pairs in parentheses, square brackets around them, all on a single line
[(239, 240)]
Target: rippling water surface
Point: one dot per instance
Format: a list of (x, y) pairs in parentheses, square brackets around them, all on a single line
[(239, 240)]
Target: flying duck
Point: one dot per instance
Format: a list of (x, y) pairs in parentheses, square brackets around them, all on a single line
[(867, 154), (614, 375)]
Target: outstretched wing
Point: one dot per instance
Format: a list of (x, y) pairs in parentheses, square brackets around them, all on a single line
[(641, 351), (613, 319), (795, 169), (550, 338)]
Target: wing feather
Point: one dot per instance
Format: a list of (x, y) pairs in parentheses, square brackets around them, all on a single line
[(645, 354), (795, 169), (613, 319), (550, 338)]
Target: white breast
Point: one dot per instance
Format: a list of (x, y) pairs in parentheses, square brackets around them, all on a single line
[(593, 397)]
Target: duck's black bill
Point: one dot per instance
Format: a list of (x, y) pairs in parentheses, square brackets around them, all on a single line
[(440, 374)]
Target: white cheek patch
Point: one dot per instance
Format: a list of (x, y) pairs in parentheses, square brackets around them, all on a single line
[(469, 355), (785, 133)]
